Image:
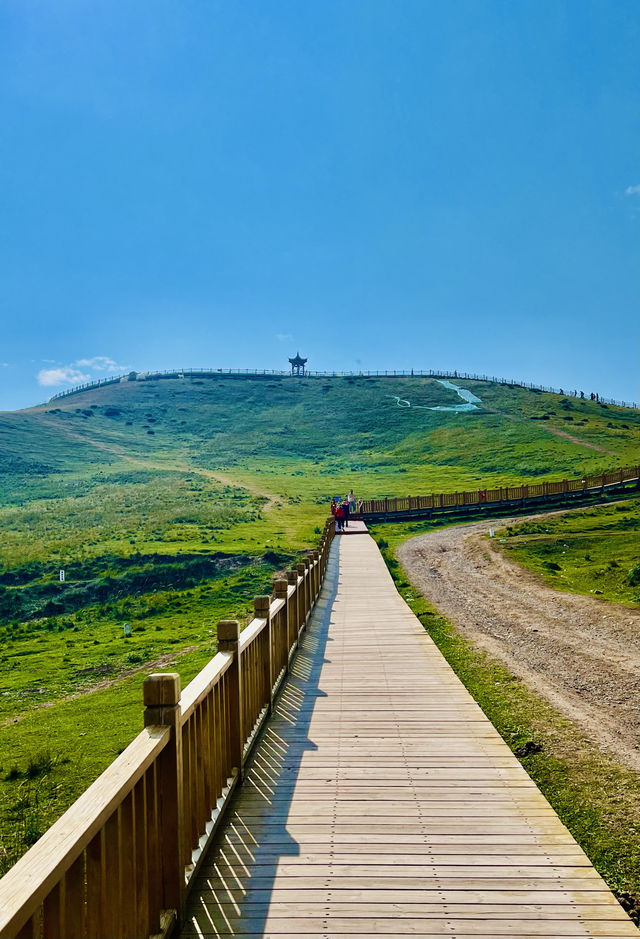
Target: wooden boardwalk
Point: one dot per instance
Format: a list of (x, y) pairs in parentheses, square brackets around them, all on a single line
[(382, 802)]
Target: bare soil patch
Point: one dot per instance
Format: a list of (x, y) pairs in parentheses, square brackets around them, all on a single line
[(580, 654)]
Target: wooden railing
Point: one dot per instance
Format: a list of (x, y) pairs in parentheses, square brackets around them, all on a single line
[(479, 497), (119, 862)]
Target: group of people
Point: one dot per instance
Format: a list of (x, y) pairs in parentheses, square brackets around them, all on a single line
[(341, 509)]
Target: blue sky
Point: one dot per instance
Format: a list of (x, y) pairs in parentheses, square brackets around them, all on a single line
[(397, 184)]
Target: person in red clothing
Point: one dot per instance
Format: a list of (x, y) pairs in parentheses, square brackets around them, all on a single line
[(338, 513)]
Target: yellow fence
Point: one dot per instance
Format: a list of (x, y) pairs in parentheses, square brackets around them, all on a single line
[(503, 494), (118, 863)]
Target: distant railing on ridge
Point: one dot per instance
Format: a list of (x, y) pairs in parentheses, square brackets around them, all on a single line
[(120, 861), (430, 373), (481, 497)]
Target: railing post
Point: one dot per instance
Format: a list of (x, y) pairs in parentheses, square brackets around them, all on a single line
[(308, 563), (280, 589), (312, 578), (304, 588), (261, 611), (228, 636), (293, 611), (161, 694), (314, 558)]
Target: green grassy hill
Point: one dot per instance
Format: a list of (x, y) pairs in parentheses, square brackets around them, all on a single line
[(170, 503)]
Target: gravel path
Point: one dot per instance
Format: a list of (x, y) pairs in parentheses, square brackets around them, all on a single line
[(580, 654)]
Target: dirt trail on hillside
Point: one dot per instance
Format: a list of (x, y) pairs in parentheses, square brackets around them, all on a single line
[(581, 443), (169, 658), (578, 653), (167, 467), (556, 431)]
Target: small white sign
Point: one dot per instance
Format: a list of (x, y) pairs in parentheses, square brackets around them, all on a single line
[(61, 577), (127, 631), (491, 533)]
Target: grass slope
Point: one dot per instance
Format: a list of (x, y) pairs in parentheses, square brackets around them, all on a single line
[(171, 503)]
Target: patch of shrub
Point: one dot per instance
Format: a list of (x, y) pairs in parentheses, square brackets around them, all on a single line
[(39, 765), (634, 576), (134, 658)]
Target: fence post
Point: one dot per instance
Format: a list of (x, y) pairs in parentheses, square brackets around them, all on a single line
[(293, 612), (161, 695), (314, 557), (308, 561), (308, 580), (280, 587), (228, 636), (304, 593), (261, 611)]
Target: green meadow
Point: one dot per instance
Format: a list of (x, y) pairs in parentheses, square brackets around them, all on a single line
[(593, 551), (170, 504)]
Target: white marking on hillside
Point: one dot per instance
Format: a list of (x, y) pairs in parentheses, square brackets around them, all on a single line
[(471, 401)]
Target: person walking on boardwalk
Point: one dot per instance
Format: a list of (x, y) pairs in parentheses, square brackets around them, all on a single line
[(345, 509), (351, 499), (338, 513)]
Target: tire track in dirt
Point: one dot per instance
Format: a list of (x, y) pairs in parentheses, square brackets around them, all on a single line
[(577, 652)]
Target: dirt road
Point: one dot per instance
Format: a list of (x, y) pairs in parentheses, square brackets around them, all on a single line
[(579, 653)]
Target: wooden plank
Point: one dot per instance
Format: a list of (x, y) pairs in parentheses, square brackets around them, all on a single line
[(219, 885), (232, 894), (367, 906), (364, 926)]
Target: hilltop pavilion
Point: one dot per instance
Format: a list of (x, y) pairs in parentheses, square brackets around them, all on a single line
[(298, 365)]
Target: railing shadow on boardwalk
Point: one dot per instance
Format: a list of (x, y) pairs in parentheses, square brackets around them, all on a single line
[(236, 881)]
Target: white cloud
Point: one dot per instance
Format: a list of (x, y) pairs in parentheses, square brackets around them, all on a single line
[(98, 362), (4, 365), (284, 337), (75, 373), (632, 191), (65, 375)]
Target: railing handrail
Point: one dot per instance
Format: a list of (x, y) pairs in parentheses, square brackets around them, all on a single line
[(281, 373), (31, 878), (251, 632), (200, 685)]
